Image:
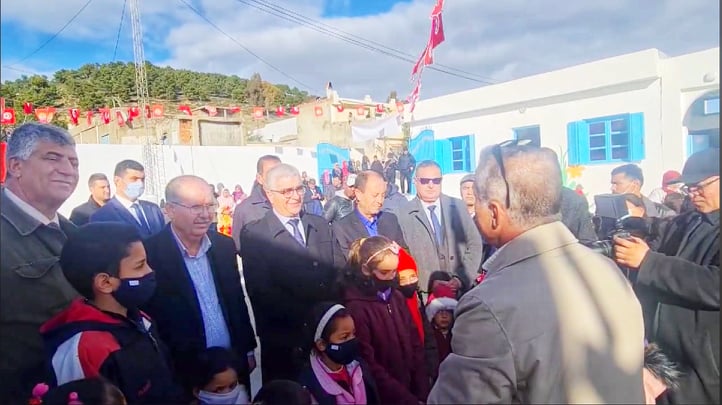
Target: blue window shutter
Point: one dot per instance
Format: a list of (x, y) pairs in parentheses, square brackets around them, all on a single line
[(443, 155), (636, 137), (573, 152), (472, 152)]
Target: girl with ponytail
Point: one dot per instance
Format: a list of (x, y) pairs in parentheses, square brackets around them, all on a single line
[(387, 336)]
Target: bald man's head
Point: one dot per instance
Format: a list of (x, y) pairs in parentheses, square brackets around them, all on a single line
[(190, 207)]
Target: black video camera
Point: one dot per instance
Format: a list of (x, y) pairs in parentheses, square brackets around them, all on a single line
[(612, 220)]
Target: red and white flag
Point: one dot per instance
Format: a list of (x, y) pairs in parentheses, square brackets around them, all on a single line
[(45, 115), (89, 118), (186, 109), (212, 111), (105, 115), (234, 110), (318, 110), (28, 108), (295, 110), (340, 108), (8, 116), (158, 111), (74, 115), (380, 108), (133, 112), (120, 118), (361, 110), (280, 111), (258, 113)]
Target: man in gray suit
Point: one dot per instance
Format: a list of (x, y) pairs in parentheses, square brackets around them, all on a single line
[(558, 323), (439, 231)]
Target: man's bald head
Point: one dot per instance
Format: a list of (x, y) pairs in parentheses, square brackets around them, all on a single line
[(179, 187)]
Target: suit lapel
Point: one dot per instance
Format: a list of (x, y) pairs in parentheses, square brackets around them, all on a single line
[(448, 216), (417, 211), (177, 267), (123, 212), (358, 229), (279, 231)]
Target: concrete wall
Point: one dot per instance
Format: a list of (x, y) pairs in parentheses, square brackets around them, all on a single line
[(228, 165)]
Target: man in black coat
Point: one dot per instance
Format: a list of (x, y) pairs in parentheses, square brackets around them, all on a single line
[(199, 300), (99, 195), (368, 219), (576, 216), (256, 205), (289, 264), (678, 285), (406, 166)]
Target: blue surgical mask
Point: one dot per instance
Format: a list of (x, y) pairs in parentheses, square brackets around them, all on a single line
[(236, 396), (135, 189)]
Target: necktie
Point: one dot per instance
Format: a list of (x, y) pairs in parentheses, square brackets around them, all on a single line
[(296, 233), (141, 217), (436, 224)]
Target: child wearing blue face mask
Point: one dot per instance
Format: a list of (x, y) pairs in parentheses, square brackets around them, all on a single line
[(335, 374), (216, 379), (103, 333)]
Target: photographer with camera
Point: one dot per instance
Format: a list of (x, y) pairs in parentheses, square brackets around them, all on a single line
[(678, 284)]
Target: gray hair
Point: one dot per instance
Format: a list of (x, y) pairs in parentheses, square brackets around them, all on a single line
[(535, 183), (24, 140), (283, 170)]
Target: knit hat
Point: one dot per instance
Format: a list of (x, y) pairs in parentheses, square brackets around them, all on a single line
[(406, 262), (442, 299)]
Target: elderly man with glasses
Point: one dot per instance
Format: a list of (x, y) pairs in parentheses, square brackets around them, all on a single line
[(290, 263), (552, 322), (439, 231), (199, 301), (678, 284)]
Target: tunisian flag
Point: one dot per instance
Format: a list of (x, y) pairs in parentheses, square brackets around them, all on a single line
[(105, 115), (74, 115), (3, 168), (257, 113), (158, 111), (186, 109), (8, 117), (44, 115)]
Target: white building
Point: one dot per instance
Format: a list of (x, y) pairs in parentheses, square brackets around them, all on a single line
[(643, 108)]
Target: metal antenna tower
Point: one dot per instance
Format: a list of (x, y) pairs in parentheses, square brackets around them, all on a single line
[(152, 152)]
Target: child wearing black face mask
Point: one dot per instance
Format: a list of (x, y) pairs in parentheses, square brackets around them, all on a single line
[(389, 341), (103, 333), (335, 374)]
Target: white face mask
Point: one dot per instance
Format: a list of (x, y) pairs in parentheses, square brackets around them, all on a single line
[(236, 396), (134, 190)]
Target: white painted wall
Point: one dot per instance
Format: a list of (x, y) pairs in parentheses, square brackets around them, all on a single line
[(661, 88), (229, 165)]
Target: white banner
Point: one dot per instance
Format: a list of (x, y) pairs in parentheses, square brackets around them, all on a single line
[(381, 128)]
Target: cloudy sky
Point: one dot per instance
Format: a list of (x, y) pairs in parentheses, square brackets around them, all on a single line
[(486, 41)]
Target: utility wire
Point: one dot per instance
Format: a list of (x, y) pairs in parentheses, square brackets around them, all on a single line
[(244, 47), (292, 16), (120, 27), (56, 34)]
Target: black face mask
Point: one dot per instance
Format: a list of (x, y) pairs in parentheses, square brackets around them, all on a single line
[(343, 353), (409, 290), (382, 285)]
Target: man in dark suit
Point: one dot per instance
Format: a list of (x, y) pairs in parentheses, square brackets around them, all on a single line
[(256, 205), (368, 219), (289, 264), (439, 230), (129, 179), (199, 300), (99, 195)]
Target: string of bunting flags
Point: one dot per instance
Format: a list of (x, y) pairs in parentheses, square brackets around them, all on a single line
[(436, 37)]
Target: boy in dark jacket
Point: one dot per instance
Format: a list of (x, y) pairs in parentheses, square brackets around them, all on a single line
[(104, 334)]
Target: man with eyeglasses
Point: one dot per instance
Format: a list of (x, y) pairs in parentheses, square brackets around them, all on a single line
[(290, 263), (439, 231), (678, 284), (198, 301)]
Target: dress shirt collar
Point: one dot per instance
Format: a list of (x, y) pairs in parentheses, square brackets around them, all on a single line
[(30, 210), (205, 245)]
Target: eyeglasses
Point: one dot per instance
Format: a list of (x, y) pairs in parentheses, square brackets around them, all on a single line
[(426, 180), (496, 151), (196, 209), (393, 248), (694, 188), (288, 192)]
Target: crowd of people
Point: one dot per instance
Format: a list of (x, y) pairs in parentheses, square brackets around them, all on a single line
[(368, 298)]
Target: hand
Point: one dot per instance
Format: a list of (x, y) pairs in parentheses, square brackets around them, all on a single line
[(630, 252), (251, 363)]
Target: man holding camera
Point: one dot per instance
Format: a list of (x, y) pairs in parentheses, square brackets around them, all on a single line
[(678, 284)]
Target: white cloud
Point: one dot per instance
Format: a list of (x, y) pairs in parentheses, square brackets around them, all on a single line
[(497, 40)]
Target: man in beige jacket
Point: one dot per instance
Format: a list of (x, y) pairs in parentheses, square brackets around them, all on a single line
[(552, 322)]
